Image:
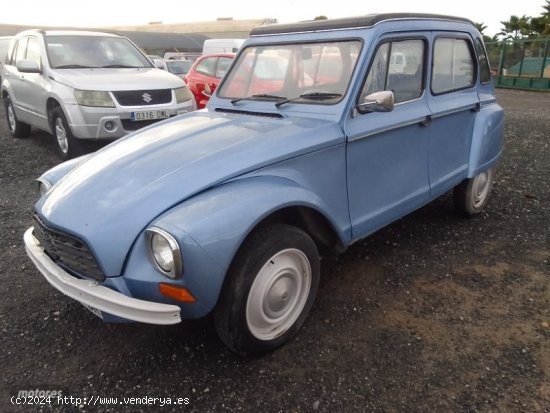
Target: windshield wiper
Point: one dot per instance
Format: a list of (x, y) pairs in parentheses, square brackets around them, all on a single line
[(119, 67), (258, 96), (312, 96), (74, 67)]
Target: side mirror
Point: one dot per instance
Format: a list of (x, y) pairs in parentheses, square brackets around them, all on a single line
[(159, 64), (207, 91), (28, 66), (383, 101)]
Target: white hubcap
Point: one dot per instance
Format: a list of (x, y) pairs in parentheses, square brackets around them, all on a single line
[(278, 294), (61, 135), (481, 187)]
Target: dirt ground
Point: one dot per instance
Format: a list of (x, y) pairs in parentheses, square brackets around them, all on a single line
[(435, 313)]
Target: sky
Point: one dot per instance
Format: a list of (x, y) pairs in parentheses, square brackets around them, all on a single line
[(101, 13)]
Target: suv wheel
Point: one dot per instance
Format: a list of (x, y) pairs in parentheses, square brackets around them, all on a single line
[(17, 129), (67, 145), (269, 290)]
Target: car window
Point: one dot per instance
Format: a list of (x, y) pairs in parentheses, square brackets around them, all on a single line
[(223, 65), (207, 66), (93, 52), (485, 72), (21, 49), (453, 65), (178, 67), (293, 70), (33, 51), (397, 66)]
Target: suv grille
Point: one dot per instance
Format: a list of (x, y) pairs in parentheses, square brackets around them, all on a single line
[(67, 251), (143, 97)]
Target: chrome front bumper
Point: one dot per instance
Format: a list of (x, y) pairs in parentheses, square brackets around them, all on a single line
[(91, 294)]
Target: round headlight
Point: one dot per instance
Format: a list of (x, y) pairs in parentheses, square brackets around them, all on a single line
[(165, 252), (162, 252), (43, 185)]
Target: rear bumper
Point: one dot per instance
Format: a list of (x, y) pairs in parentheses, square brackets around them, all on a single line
[(90, 293)]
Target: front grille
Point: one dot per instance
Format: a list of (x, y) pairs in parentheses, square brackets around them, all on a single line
[(131, 125), (69, 252), (143, 97)]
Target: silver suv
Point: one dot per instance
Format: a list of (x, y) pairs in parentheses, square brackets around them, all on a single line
[(85, 85)]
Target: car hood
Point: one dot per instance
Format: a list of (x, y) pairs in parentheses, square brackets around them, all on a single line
[(117, 79), (112, 196)]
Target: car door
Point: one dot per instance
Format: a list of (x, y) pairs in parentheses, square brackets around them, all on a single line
[(32, 89), (387, 153), (13, 77), (453, 102)]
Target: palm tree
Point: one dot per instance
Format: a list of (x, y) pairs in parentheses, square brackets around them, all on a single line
[(481, 26), (516, 27)]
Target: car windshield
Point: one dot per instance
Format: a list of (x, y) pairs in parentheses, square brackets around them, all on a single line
[(93, 52), (294, 72), (178, 67)]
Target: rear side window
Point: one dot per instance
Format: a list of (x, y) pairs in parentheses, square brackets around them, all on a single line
[(222, 66), (484, 71), (207, 67), (453, 65), (397, 66)]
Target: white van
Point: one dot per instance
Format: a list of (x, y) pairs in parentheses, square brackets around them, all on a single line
[(222, 45)]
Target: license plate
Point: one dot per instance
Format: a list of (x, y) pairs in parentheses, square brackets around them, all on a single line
[(93, 310), (149, 115)]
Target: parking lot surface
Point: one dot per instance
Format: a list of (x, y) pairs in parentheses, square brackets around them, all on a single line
[(434, 313)]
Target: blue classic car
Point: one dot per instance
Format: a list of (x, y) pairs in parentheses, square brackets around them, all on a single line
[(319, 134)]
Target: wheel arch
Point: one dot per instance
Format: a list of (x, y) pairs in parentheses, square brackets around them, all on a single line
[(221, 219), (487, 138), (51, 104)]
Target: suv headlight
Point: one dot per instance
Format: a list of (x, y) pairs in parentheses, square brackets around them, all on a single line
[(182, 94), (165, 252), (95, 98)]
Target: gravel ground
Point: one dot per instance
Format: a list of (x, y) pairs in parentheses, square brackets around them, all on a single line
[(435, 313)]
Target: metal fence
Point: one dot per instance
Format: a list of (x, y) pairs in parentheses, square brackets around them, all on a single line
[(522, 64)]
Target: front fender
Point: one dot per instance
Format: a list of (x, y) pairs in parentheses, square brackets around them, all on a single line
[(218, 221), (54, 174), (486, 139)]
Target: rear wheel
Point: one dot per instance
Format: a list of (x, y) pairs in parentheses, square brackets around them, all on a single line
[(471, 196), (68, 146), (17, 128), (270, 290)]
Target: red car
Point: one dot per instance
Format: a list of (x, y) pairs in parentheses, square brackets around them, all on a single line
[(207, 71)]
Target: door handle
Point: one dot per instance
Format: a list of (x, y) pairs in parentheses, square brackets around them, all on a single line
[(426, 122)]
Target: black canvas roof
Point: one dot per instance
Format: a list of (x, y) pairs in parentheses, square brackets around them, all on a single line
[(345, 23)]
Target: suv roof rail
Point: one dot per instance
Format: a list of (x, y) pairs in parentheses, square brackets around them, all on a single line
[(347, 23)]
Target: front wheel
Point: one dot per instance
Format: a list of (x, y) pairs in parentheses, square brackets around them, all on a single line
[(270, 289), (470, 196), (68, 146), (17, 128)]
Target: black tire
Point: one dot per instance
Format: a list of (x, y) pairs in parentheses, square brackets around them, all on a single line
[(471, 196), (269, 257), (17, 128), (67, 145)]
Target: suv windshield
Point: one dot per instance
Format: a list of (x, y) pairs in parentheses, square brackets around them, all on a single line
[(293, 72), (93, 51)]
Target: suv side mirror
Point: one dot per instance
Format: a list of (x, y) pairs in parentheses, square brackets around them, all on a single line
[(28, 66), (383, 101)]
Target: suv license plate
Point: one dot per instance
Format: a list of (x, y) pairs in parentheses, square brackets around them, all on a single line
[(149, 115)]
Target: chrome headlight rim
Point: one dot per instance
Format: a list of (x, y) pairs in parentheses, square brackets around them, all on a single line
[(42, 186), (177, 264)]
